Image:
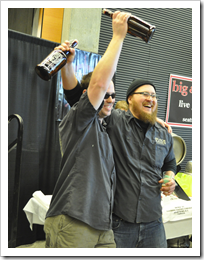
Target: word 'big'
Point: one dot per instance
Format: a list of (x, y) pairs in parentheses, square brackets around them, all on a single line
[(180, 88)]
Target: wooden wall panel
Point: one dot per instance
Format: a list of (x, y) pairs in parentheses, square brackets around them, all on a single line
[(52, 24)]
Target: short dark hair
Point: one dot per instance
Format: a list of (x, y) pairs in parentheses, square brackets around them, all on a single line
[(85, 80)]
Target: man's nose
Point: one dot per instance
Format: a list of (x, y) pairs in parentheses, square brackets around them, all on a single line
[(109, 99), (149, 97)]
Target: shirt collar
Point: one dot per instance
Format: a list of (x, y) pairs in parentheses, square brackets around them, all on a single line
[(130, 116)]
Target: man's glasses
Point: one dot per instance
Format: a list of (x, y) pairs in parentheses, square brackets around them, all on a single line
[(147, 95), (107, 95)]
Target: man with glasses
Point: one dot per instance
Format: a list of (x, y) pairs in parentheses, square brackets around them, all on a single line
[(143, 150), (80, 213)]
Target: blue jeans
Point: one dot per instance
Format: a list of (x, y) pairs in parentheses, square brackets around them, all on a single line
[(141, 235)]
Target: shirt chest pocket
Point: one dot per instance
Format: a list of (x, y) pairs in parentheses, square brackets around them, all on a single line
[(155, 153), (132, 147)]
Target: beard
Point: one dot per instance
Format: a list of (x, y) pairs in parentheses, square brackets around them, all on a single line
[(144, 116)]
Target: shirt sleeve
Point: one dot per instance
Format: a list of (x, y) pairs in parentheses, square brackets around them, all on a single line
[(72, 96), (80, 115), (170, 166)]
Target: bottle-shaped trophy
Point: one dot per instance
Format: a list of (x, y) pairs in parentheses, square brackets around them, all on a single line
[(53, 62), (137, 27)]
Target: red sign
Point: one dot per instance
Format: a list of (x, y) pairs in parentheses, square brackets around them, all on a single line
[(179, 106)]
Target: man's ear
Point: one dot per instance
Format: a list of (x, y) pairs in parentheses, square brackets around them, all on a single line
[(129, 98), (84, 91)]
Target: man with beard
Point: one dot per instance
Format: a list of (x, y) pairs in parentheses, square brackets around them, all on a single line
[(143, 150)]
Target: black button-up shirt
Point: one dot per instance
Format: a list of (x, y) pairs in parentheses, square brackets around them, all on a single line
[(139, 158), (86, 185)]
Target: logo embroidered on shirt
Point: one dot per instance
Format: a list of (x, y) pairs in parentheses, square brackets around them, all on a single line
[(160, 141)]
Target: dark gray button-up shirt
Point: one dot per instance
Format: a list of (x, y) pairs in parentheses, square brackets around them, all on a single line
[(138, 159), (86, 185)]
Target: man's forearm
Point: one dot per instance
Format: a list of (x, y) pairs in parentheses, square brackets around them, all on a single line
[(69, 79), (105, 69)]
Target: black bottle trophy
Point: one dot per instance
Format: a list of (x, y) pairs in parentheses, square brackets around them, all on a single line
[(137, 27), (53, 63)]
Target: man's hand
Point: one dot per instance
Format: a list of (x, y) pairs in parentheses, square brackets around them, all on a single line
[(119, 23), (164, 124), (169, 187), (65, 47)]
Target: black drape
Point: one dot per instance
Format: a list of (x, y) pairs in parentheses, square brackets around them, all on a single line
[(41, 105), (34, 100)]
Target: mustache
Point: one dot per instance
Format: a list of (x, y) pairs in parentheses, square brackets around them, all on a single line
[(146, 117), (146, 103)]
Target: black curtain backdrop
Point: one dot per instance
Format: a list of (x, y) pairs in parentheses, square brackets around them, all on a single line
[(34, 100), (41, 105)]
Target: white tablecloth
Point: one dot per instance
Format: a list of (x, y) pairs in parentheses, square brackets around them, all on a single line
[(176, 213), (36, 208)]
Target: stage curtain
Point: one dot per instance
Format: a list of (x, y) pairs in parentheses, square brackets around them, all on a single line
[(34, 100)]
